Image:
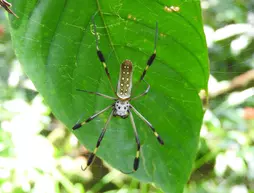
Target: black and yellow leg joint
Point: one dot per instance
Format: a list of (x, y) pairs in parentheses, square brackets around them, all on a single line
[(99, 140), (101, 57), (157, 135), (78, 125), (102, 60), (136, 164), (151, 59), (158, 138), (149, 63), (90, 159), (143, 75), (106, 70), (136, 160)]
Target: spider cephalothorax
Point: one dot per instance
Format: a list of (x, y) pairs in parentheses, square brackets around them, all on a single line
[(122, 107)]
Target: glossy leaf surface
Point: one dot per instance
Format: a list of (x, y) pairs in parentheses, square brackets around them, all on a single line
[(54, 41)]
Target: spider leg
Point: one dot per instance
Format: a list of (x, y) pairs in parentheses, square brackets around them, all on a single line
[(6, 5), (136, 160), (97, 93), (142, 94), (149, 124), (78, 125), (101, 57), (152, 57), (91, 157)]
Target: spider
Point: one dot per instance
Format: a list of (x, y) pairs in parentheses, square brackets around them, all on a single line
[(121, 106), (6, 5)]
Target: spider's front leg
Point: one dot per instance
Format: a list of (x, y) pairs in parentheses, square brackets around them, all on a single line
[(101, 57), (78, 125), (97, 93), (152, 57)]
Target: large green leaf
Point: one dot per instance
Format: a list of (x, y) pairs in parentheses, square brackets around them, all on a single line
[(54, 41)]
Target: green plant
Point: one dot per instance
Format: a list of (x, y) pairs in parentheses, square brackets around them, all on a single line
[(57, 50)]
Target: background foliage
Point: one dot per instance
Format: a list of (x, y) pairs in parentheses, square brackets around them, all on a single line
[(225, 161)]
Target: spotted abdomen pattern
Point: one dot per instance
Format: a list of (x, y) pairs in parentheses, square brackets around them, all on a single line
[(125, 80)]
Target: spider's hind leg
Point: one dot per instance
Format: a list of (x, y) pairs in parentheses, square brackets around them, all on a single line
[(149, 125), (136, 160), (91, 157)]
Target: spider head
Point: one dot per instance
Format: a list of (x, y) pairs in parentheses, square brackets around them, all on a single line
[(122, 109)]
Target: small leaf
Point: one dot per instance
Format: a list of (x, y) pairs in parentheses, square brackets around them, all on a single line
[(55, 42)]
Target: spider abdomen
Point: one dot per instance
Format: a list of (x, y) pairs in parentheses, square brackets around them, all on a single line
[(125, 80)]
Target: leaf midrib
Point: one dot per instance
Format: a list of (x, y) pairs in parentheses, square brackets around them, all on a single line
[(107, 30)]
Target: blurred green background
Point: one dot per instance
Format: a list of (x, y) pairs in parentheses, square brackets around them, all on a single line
[(225, 159)]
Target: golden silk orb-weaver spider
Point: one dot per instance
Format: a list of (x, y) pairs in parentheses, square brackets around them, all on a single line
[(6, 5), (121, 106)]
